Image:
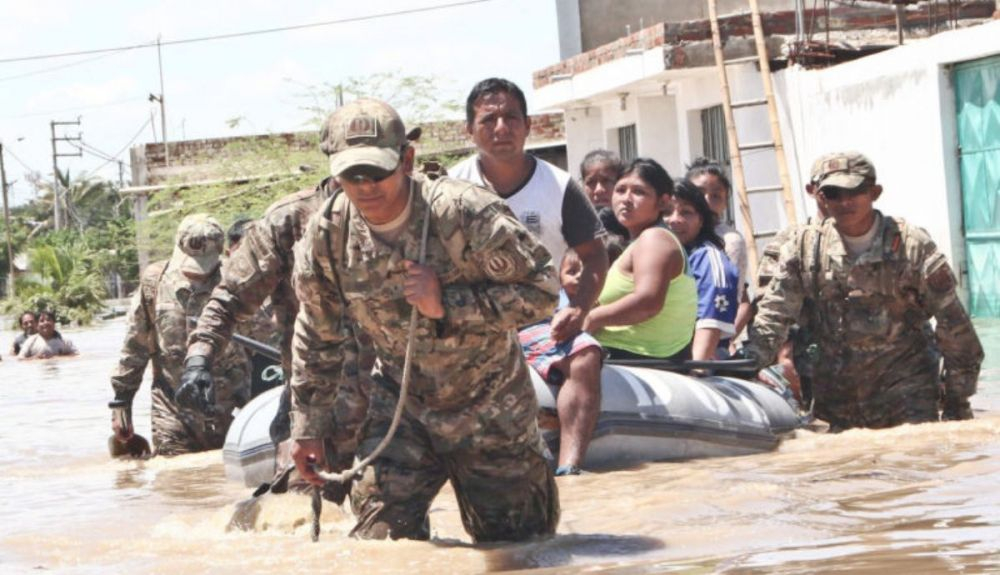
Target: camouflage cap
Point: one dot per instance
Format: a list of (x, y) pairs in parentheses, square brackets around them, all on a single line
[(198, 245), (848, 170), (364, 132), (817, 168)]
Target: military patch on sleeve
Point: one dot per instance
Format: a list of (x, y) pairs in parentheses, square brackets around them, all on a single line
[(941, 280), (500, 266)]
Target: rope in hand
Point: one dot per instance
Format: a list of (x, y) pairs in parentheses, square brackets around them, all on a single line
[(358, 469)]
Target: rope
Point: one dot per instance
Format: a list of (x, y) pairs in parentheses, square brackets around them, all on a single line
[(356, 471)]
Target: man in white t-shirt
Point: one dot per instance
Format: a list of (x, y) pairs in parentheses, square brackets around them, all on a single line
[(554, 207)]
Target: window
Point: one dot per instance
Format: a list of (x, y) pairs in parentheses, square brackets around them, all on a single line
[(628, 149)]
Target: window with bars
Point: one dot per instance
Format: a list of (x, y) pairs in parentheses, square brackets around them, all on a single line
[(628, 148)]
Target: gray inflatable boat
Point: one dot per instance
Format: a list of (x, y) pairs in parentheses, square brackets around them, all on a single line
[(646, 415)]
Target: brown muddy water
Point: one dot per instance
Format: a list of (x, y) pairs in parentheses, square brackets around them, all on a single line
[(916, 499)]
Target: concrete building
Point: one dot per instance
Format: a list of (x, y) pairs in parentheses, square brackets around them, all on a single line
[(926, 112)]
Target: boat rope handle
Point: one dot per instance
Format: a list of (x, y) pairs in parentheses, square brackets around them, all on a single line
[(404, 386)]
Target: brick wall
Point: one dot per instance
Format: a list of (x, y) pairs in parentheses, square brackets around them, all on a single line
[(842, 18), (195, 159)]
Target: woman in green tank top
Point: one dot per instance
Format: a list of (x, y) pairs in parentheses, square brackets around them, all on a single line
[(647, 307)]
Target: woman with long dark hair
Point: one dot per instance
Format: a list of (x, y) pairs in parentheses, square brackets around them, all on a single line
[(693, 221), (710, 176), (646, 309)]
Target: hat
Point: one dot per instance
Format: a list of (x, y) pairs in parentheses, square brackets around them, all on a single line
[(848, 170), (198, 244), (363, 133), (817, 168)]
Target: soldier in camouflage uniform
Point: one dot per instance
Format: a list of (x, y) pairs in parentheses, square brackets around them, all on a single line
[(171, 292), (865, 286), (471, 411)]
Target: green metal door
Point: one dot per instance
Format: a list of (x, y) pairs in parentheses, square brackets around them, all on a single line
[(977, 93)]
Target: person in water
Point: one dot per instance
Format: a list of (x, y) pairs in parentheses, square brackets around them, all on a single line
[(716, 277), (866, 285), (29, 325), (647, 306), (47, 342)]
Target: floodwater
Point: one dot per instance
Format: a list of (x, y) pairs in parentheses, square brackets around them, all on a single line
[(916, 499)]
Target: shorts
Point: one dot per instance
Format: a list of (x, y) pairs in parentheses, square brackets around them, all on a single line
[(541, 351)]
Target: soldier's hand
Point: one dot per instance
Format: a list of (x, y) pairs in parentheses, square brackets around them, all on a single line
[(423, 290), (196, 390), (123, 431), (309, 455), (567, 323), (956, 408)]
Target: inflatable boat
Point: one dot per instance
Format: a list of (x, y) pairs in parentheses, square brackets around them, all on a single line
[(647, 414)]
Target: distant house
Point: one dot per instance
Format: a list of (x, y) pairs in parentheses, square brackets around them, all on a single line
[(926, 112)]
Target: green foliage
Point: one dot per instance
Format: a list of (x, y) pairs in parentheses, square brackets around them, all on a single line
[(417, 98), (63, 280)]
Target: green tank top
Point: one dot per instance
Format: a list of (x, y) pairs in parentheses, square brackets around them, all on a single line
[(662, 335)]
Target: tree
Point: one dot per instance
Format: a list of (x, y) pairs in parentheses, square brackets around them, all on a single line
[(417, 98)]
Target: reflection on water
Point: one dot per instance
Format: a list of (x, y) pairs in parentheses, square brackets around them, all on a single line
[(916, 499)]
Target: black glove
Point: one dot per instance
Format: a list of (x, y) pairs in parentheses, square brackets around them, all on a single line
[(196, 390), (748, 353), (955, 408)]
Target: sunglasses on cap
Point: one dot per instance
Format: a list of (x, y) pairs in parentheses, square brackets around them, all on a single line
[(835, 194)]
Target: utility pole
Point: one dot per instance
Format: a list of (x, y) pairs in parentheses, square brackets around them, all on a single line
[(56, 194), (6, 221), (163, 106)]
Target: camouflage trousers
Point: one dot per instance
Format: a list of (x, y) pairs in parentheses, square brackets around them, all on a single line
[(911, 400), (177, 431), (505, 490)]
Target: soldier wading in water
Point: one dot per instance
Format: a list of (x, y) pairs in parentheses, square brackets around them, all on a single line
[(470, 414), (865, 286)]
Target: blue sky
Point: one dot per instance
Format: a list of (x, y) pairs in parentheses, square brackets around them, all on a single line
[(259, 79)]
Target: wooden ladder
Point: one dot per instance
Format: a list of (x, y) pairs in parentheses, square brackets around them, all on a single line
[(736, 148)]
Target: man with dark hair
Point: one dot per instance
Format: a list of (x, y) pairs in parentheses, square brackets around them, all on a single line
[(865, 286), (552, 206), (234, 235)]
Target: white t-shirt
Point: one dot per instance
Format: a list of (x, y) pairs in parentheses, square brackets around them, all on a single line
[(550, 204)]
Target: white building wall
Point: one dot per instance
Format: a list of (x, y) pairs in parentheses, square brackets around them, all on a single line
[(584, 132), (657, 131), (898, 108)]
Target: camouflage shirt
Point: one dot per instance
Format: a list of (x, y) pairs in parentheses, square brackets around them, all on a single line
[(468, 368), (158, 328), (260, 267), (869, 316)]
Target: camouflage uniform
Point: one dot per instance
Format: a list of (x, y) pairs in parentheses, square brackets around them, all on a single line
[(261, 266), (157, 332), (800, 337), (876, 364), (471, 411)]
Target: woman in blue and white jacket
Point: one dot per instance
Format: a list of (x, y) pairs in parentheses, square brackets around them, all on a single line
[(716, 277)]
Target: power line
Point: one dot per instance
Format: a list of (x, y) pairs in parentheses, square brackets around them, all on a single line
[(114, 158), (19, 160), (54, 68), (243, 34), (75, 108)]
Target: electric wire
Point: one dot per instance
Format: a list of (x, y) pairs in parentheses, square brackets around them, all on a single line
[(244, 34)]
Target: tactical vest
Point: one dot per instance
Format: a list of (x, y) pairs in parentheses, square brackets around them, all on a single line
[(883, 301)]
